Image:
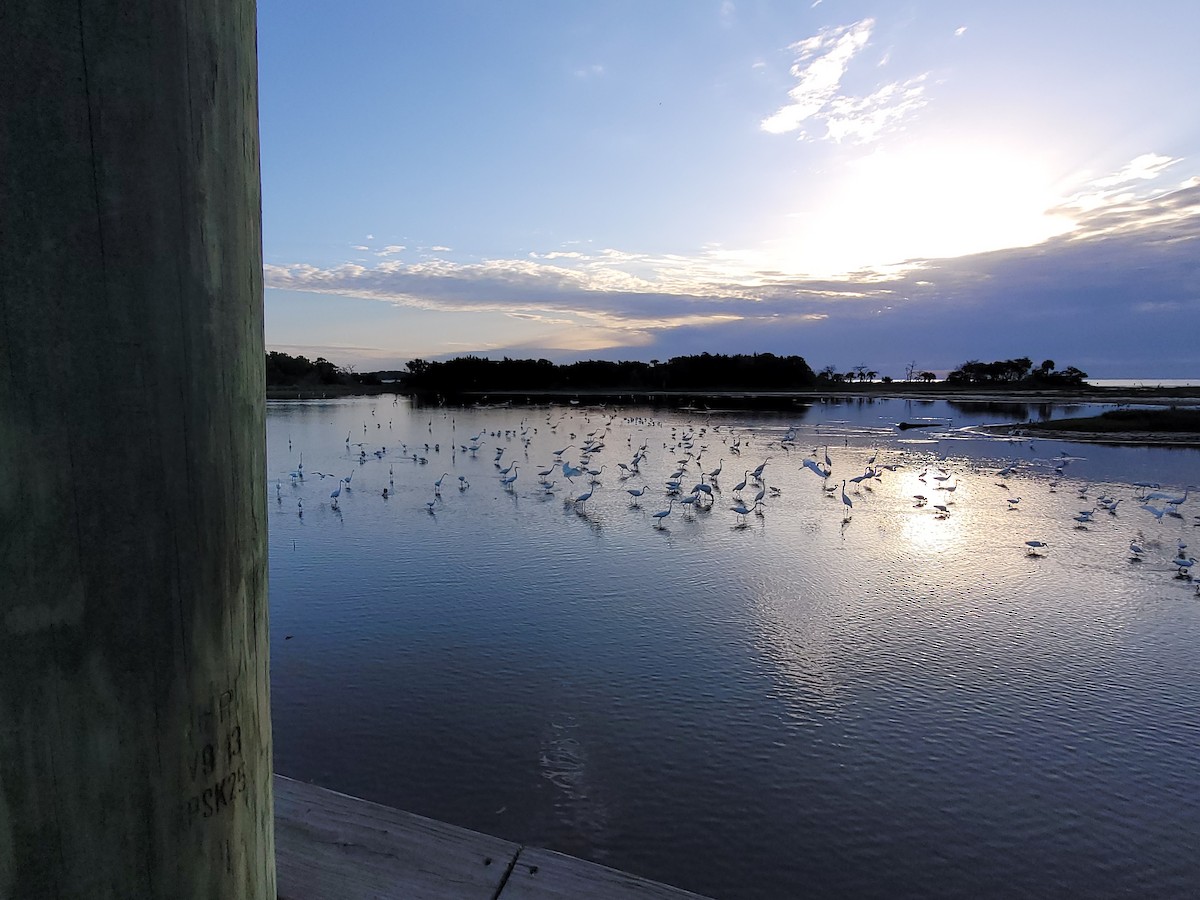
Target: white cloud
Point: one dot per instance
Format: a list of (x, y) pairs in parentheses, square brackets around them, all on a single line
[(864, 119), (1146, 167), (821, 63), (1114, 202), (593, 71), (959, 32), (1127, 261), (390, 250)]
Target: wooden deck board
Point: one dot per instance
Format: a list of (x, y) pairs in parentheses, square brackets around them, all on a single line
[(546, 875), (329, 846)]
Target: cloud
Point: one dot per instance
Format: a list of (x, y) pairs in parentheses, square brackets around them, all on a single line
[(863, 120), (960, 31), (821, 63), (1128, 268), (390, 250), (595, 70), (1146, 167)]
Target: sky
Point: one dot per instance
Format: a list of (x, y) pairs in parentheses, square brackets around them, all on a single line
[(881, 184)]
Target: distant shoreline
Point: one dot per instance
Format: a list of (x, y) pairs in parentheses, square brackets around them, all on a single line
[(1155, 396)]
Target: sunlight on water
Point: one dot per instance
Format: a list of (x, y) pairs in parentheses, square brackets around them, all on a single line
[(896, 698)]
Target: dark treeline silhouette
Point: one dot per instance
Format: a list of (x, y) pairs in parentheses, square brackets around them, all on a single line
[(1015, 372), (295, 371), (707, 371)]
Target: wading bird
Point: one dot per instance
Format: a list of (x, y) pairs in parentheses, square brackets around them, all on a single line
[(663, 513)]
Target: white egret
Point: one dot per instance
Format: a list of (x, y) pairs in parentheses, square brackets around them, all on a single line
[(508, 481), (662, 514), (1035, 546), (846, 502), (742, 511)]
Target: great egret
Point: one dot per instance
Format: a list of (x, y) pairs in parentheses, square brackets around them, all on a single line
[(586, 496), (815, 467), (507, 482), (742, 511), (846, 502), (663, 513), (1034, 546)]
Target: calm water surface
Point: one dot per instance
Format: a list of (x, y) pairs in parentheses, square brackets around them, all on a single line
[(890, 703)]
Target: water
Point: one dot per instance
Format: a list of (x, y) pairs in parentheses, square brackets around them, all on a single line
[(898, 705), (1144, 382)]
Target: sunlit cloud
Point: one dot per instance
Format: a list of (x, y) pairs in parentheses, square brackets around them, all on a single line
[(863, 119), (1125, 266), (821, 61), (960, 31), (1116, 202), (391, 250), (821, 64), (1146, 167), (586, 72)]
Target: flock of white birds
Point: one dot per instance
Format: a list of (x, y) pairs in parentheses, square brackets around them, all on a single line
[(578, 469)]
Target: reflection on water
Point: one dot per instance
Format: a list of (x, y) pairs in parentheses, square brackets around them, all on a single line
[(885, 700)]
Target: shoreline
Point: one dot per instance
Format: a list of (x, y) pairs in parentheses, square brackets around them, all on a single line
[(1150, 396)]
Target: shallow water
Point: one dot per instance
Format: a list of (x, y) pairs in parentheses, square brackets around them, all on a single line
[(889, 703)]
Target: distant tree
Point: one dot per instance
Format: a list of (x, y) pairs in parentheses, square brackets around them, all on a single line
[(928, 376), (872, 374), (886, 379)]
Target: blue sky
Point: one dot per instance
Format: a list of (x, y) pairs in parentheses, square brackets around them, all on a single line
[(858, 183)]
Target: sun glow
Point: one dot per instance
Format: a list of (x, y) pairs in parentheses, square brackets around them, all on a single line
[(924, 202)]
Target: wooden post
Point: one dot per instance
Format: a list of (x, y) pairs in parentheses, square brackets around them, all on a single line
[(135, 745)]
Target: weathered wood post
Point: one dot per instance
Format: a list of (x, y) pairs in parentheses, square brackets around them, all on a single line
[(135, 745)]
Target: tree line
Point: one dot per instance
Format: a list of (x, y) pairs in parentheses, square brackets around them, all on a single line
[(1019, 372), (705, 371), (284, 370)]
